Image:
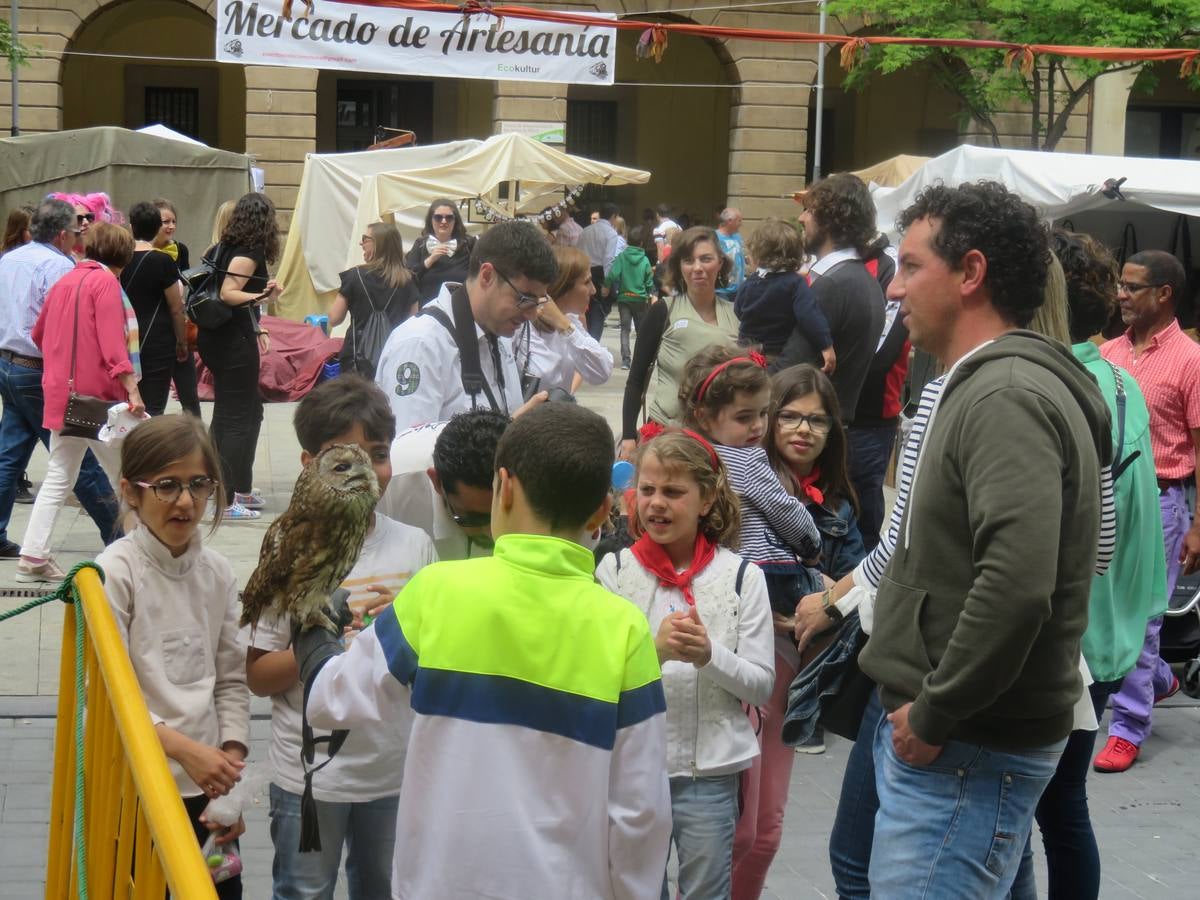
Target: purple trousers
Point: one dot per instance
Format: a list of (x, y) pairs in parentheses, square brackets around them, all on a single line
[(1134, 703)]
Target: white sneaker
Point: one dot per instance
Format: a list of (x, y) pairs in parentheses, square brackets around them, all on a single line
[(252, 500), (46, 573), (237, 512)]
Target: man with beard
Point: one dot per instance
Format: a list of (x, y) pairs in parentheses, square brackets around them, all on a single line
[(839, 225), (839, 230)]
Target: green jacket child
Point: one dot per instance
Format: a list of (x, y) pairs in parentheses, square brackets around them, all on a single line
[(631, 276)]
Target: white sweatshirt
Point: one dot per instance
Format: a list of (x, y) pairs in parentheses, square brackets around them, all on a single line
[(708, 733), (179, 619)]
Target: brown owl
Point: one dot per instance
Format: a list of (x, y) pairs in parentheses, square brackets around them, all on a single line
[(310, 549)]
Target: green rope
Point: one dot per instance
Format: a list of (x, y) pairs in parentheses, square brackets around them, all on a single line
[(68, 593)]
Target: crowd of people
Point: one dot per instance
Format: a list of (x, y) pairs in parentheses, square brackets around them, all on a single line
[(572, 673)]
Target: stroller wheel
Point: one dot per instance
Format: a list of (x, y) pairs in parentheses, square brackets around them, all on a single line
[(1191, 678)]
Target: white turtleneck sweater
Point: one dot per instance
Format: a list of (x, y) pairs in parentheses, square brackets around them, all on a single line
[(178, 617)]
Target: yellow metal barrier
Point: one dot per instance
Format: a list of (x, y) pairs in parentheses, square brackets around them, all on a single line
[(137, 835)]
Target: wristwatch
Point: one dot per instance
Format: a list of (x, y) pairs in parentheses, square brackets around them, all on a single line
[(835, 614)]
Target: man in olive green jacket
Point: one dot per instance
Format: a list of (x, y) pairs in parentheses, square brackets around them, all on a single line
[(979, 616)]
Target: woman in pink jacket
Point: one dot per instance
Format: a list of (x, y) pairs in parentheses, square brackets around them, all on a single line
[(107, 332)]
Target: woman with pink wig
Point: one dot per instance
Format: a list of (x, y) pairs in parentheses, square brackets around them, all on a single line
[(89, 208)]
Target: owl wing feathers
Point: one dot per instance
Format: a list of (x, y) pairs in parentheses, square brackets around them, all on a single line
[(309, 550)]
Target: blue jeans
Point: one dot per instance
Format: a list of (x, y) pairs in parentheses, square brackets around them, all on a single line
[(20, 430), (870, 451), (705, 812), (957, 827), (854, 824), (368, 830), (1072, 856)]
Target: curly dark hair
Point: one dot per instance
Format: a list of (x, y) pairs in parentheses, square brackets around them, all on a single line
[(460, 229), (1091, 273), (843, 208), (988, 217), (252, 226)]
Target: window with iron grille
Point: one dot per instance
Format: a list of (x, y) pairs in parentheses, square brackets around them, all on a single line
[(176, 107)]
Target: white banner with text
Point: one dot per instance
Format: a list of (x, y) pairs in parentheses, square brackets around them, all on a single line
[(413, 42)]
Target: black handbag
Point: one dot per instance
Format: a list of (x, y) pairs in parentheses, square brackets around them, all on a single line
[(84, 415), (203, 304)]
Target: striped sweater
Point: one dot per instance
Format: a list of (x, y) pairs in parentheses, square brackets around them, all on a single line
[(870, 571), (776, 527)]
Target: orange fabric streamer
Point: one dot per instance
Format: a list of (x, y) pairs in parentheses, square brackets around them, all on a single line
[(1026, 52)]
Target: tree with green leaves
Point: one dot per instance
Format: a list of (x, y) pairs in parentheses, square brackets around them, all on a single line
[(986, 83)]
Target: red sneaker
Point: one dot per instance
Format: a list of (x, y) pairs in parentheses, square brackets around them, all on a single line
[(1171, 691), (1117, 756)]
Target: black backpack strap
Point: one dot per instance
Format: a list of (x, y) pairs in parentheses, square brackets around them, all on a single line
[(462, 329), (737, 585), (310, 830)]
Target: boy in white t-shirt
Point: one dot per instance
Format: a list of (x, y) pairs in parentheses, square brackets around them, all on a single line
[(357, 790)]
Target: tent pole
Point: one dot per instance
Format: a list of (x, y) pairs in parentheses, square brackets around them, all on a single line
[(12, 69), (820, 100)]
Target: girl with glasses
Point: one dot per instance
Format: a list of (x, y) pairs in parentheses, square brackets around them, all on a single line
[(176, 608), (442, 252)]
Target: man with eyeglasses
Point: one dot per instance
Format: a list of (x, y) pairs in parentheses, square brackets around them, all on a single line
[(26, 275), (421, 368), (442, 482), (1166, 364)]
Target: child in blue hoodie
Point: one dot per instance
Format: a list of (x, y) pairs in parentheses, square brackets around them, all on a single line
[(776, 299)]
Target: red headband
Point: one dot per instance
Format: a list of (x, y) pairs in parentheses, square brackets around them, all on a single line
[(651, 430), (752, 357)]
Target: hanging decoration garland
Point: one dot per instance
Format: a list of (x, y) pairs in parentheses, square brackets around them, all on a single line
[(492, 215), (853, 46)]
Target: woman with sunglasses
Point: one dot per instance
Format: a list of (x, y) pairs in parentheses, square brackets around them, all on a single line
[(89, 208), (442, 252), (378, 295)]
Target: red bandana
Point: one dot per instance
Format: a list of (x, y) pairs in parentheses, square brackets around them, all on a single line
[(654, 560), (808, 486)]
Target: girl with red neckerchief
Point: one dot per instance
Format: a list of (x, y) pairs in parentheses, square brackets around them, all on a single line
[(709, 610)]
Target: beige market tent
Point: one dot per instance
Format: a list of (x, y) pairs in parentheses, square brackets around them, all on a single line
[(129, 166), (889, 173), (506, 174)]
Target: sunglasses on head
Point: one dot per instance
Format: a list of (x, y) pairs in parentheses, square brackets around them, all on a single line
[(440, 217), (80, 218)]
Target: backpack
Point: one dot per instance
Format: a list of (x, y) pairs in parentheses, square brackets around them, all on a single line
[(366, 343), (202, 302)]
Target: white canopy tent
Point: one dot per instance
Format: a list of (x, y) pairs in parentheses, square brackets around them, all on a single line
[(341, 194), (1070, 187)]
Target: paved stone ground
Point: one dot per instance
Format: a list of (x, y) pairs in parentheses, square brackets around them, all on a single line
[(1145, 819)]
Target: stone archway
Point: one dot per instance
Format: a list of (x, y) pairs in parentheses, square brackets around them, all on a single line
[(204, 99)]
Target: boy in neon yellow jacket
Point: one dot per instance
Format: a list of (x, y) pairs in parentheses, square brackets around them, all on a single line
[(536, 763)]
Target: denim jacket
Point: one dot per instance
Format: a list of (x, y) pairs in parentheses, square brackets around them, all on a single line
[(841, 544)]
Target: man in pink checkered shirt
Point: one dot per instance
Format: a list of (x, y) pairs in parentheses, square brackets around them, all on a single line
[(1166, 364)]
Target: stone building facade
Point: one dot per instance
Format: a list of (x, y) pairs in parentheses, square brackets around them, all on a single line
[(718, 122)]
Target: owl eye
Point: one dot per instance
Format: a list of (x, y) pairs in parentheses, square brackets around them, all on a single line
[(342, 467)]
